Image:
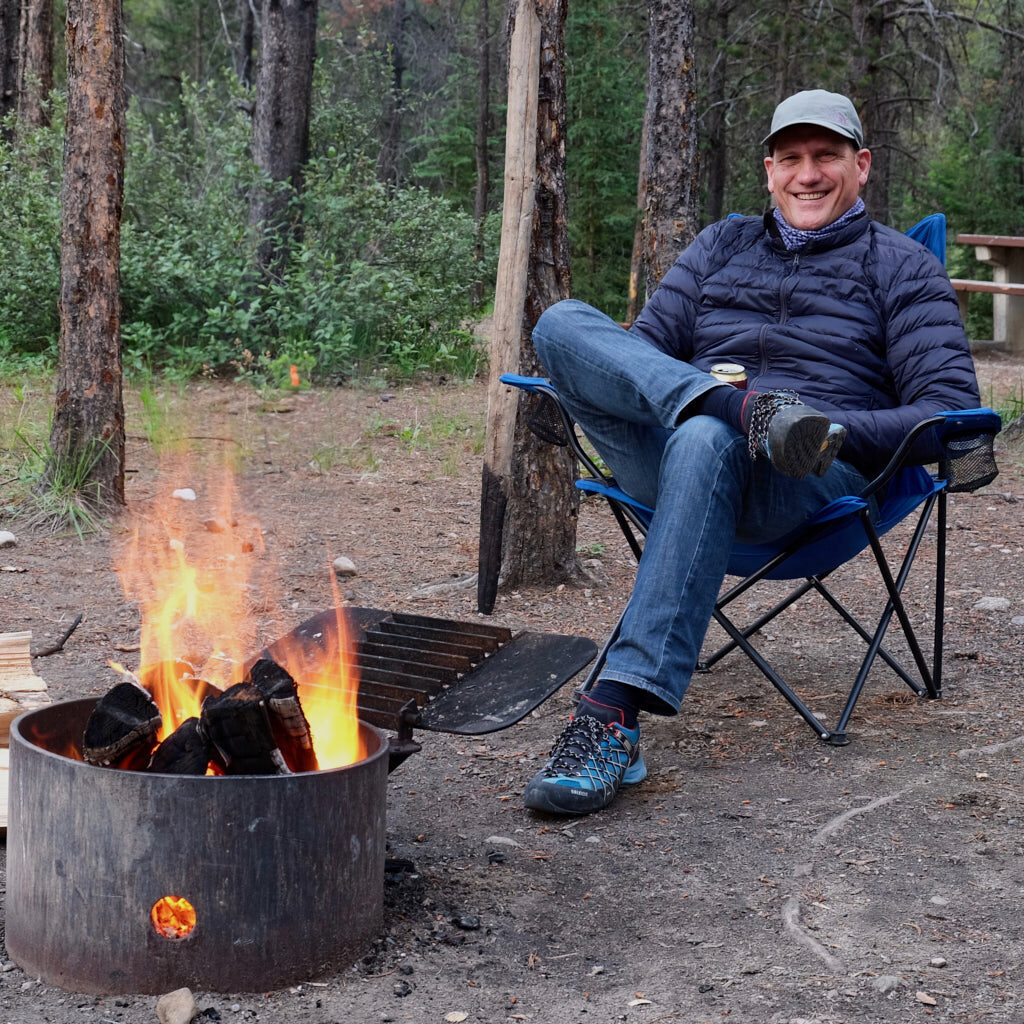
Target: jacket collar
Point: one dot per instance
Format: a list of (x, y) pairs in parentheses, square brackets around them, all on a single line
[(850, 233)]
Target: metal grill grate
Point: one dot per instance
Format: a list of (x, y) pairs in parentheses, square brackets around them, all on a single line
[(465, 677)]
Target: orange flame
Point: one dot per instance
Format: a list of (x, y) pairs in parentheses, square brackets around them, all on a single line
[(196, 582), (173, 917), (328, 689)]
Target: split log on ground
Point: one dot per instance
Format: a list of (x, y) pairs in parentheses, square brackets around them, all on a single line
[(122, 728), (187, 751), (239, 728), (287, 719), (510, 293)]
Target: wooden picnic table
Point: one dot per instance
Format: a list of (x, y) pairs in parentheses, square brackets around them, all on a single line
[(1005, 254)]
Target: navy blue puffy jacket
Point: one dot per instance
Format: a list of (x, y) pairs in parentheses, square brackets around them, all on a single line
[(864, 326)]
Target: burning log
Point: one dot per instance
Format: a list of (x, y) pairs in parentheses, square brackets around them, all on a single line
[(238, 726), (121, 729), (287, 720), (187, 751)]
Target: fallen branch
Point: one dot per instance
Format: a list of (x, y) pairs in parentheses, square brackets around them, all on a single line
[(59, 645)]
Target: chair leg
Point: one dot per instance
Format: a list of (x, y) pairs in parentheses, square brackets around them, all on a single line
[(773, 677), (893, 605), (940, 597), (748, 631)]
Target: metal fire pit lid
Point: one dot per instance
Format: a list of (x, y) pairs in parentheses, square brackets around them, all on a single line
[(468, 678)]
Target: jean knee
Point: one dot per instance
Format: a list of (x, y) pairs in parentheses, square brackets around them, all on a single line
[(554, 328), (703, 438)]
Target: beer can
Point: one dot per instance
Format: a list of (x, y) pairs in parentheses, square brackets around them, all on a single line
[(730, 373)]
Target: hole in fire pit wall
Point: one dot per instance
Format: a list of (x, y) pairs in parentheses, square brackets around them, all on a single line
[(173, 917)]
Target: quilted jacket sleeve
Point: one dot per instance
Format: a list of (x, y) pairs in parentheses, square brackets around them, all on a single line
[(927, 353)]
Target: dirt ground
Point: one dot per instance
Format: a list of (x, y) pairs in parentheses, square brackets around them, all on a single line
[(757, 875)]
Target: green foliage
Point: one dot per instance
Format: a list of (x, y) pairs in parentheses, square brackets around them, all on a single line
[(606, 84), (30, 174), (379, 278)]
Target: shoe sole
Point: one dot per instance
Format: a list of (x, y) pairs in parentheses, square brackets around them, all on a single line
[(800, 442), (574, 801)]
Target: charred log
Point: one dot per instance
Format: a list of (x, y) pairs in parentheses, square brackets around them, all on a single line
[(238, 726), (287, 720), (121, 728), (187, 751)]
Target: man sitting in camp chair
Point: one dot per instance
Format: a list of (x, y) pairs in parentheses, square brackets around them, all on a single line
[(849, 334)]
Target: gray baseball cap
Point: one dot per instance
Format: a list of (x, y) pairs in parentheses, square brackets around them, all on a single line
[(816, 106)]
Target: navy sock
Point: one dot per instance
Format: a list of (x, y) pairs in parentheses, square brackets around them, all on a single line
[(610, 701), (728, 404)]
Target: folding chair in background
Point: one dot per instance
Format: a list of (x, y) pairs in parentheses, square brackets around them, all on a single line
[(829, 539)]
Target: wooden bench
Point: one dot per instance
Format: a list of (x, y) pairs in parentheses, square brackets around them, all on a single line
[(1005, 254), (964, 288)]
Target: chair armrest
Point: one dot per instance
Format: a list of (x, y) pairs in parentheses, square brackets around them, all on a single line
[(966, 437)]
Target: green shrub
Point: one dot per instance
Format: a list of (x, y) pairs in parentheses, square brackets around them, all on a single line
[(379, 279)]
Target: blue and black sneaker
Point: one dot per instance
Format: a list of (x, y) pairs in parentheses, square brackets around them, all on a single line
[(588, 764)]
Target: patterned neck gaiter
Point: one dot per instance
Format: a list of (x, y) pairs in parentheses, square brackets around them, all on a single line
[(794, 239)]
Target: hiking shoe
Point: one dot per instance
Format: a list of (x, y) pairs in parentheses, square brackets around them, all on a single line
[(797, 439), (588, 764)]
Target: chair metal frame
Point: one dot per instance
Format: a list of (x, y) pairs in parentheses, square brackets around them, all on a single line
[(930, 494)]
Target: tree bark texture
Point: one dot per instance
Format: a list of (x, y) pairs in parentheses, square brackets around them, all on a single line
[(715, 135), (9, 28), (873, 35), (246, 41), (280, 134), (540, 522), (483, 131), (671, 216), (636, 258), (88, 420), (35, 61), (391, 133), (510, 289)]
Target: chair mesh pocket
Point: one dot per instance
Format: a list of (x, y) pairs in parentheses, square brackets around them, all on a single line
[(544, 420), (969, 462)]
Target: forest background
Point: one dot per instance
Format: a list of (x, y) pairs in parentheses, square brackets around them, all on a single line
[(397, 255)]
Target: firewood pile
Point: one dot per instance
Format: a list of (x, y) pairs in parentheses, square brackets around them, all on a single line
[(20, 690)]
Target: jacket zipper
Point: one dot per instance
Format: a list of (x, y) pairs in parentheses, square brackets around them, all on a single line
[(783, 314)]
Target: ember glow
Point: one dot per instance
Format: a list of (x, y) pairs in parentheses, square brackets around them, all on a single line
[(200, 578), (173, 917)]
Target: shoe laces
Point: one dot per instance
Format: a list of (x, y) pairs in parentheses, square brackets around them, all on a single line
[(579, 742), (766, 405)]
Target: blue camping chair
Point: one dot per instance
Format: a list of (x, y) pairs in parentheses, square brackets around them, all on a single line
[(829, 539)]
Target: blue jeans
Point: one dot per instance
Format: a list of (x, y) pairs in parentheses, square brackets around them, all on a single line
[(633, 403)]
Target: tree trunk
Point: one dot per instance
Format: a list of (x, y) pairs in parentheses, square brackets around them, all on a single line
[(636, 258), (715, 132), (483, 129), (510, 289), (280, 134), (8, 57), (873, 36), (35, 61), (670, 219), (387, 159), (88, 419), (246, 41), (540, 523)]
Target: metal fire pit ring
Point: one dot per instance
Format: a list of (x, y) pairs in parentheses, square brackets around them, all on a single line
[(286, 873)]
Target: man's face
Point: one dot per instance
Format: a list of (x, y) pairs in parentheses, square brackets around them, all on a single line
[(815, 175)]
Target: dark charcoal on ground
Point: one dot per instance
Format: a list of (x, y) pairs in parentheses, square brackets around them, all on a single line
[(287, 720), (187, 751), (238, 726), (121, 728)]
